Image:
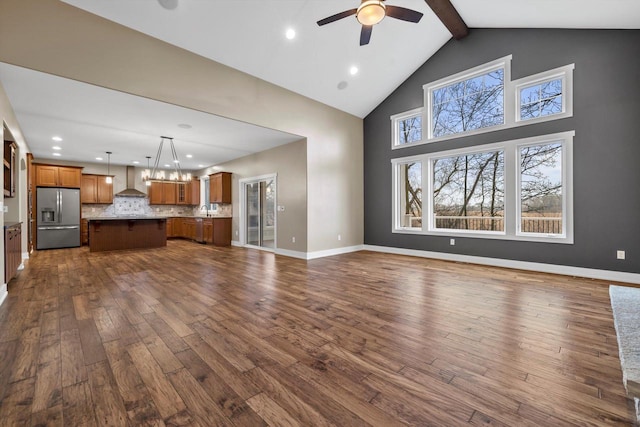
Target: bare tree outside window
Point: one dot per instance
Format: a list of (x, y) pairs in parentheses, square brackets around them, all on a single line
[(468, 192), (469, 104), (541, 203), (541, 100), (411, 203), (410, 129)]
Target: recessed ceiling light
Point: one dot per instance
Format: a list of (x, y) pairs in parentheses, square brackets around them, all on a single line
[(55, 147), (56, 138), (176, 161), (353, 70), (200, 166), (342, 85), (98, 158), (185, 126), (135, 162), (57, 154), (189, 156), (168, 4), (290, 34), (167, 166)]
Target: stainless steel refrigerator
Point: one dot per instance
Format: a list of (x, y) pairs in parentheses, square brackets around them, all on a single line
[(58, 220)]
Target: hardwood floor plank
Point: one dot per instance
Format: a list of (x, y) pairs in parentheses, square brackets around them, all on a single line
[(194, 334), (162, 392), (107, 402)]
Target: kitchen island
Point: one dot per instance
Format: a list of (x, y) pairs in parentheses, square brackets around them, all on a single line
[(118, 233)]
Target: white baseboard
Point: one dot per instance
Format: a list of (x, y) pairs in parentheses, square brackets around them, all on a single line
[(290, 253), (25, 255), (3, 293), (236, 243), (616, 276), (336, 251)]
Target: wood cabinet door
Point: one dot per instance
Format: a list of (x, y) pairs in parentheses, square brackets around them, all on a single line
[(220, 187), (88, 189), (182, 195), (46, 176), (170, 227), (156, 193), (222, 231), (170, 193), (69, 177), (177, 227), (104, 190), (207, 229), (195, 192)]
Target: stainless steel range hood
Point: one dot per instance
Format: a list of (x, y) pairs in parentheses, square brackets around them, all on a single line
[(131, 191)]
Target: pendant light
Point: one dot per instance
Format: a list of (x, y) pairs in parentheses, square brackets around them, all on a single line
[(158, 175), (109, 179), (146, 174)]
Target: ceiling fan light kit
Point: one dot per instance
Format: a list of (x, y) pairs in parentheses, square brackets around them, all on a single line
[(370, 13)]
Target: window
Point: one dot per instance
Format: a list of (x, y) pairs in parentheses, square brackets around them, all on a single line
[(407, 127), (484, 99), (545, 96), (410, 182), (468, 192), (516, 190), (541, 189), (469, 104)]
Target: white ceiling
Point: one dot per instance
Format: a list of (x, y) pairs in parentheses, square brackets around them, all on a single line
[(249, 35)]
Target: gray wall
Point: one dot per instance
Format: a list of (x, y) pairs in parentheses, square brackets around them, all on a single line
[(606, 118)]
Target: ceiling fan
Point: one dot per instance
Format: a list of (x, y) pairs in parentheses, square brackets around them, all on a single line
[(371, 12)]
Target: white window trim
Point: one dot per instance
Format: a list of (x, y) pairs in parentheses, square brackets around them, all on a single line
[(395, 125), (565, 74), (511, 101), (511, 184)]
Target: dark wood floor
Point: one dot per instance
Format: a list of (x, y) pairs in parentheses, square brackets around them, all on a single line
[(196, 335)]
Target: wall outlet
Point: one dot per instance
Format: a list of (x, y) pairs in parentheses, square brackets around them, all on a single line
[(280, 208), (293, 240), (620, 254), (5, 208), (339, 237), (236, 233), (452, 242)]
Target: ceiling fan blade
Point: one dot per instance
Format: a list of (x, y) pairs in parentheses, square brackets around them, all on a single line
[(337, 16), (365, 34), (404, 14)]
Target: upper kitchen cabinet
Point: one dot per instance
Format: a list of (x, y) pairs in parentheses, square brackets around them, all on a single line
[(220, 187), (96, 190), (58, 176), (188, 193), (163, 193)]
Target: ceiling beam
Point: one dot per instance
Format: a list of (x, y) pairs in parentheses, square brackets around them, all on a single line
[(450, 17)]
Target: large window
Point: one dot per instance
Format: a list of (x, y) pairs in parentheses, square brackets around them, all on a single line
[(484, 99), (473, 103), (468, 192), (518, 190)]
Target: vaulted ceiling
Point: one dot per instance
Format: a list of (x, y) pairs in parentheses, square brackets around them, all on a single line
[(250, 35)]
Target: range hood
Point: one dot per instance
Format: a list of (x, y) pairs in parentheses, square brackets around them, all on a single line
[(131, 191)]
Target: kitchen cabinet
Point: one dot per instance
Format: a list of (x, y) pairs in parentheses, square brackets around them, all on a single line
[(220, 187), (162, 193), (170, 227), (12, 250), (222, 231), (95, 189), (189, 228), (207, 230), (84, 232), (58, 176), (9, 169), (188, 193)]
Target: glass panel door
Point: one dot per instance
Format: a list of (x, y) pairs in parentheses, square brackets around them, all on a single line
[(261, 213)]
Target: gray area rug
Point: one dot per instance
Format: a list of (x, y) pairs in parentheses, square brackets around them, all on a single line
[(625, 302)]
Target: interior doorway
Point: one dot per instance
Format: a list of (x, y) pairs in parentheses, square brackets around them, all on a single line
[(259, 212)]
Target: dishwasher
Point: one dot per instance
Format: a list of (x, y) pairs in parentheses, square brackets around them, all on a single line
[(199, 231)]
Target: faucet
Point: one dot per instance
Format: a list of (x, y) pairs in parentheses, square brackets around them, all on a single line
[(206, 207)]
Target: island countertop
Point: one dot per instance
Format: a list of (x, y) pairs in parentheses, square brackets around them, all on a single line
[(117, 233), (125, 218)]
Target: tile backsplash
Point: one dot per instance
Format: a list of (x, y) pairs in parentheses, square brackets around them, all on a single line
[(127, 206)]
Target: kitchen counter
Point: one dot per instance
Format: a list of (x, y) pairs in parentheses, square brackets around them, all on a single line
[(133, 232)]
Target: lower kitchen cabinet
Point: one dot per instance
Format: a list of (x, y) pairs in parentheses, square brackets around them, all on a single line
[(214, 230), (12, 250), (84, 232)]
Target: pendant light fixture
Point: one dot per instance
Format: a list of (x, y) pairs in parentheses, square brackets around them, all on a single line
[(109, 179), (158, 175), (146, 174)]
